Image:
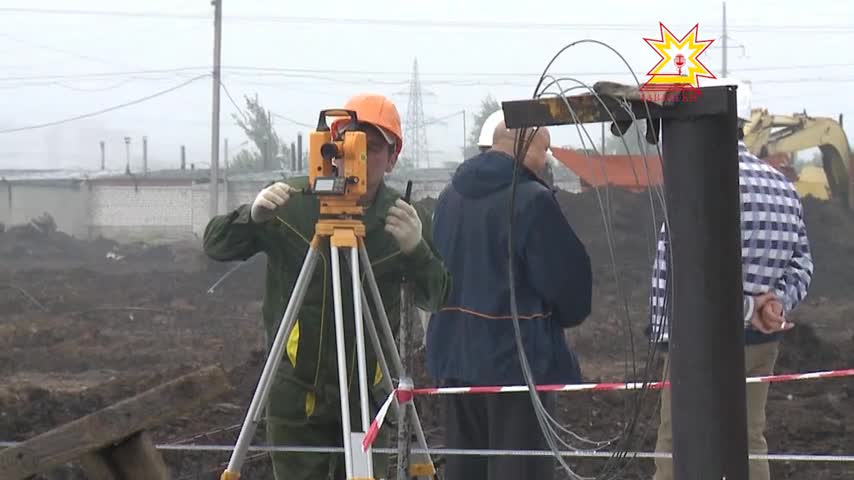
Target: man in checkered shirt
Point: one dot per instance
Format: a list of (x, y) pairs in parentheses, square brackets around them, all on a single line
[(777, 269)]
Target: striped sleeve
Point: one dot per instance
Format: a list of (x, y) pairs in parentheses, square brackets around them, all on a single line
[(659, 329), (792, 286)]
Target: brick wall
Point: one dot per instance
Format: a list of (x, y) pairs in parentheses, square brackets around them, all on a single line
[(166, 212), (66, 202)]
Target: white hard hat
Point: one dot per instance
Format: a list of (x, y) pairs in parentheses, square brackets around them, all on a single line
[(488, 129), (743, 93)]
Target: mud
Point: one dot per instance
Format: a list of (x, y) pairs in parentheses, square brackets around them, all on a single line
[(85, 324)]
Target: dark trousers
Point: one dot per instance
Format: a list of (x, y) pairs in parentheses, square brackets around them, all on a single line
[(503, 421)]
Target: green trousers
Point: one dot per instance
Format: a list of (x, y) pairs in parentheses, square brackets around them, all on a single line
[(297, 418)]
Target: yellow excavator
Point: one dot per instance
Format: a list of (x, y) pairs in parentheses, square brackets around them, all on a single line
[(777, 138)]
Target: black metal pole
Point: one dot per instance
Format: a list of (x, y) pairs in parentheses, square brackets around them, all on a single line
[(707, 374), (293, 157), (299, 152)]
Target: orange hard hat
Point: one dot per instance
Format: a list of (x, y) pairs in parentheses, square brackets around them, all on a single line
[(378, 111)]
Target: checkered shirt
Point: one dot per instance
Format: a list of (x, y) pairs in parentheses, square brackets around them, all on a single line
[(775, 250)]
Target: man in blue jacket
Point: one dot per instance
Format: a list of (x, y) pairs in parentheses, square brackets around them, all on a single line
[(471, 340)]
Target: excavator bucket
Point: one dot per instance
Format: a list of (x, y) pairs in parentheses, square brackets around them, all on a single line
[(632, 172)]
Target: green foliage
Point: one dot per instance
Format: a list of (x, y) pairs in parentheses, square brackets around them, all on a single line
[(245, 160), (269, 151)]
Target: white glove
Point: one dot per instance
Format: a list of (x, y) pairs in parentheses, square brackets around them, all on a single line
[(268, 200), (403, 223)]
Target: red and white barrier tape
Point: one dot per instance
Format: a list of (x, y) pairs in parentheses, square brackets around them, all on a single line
[(599, 387), (405, 394)]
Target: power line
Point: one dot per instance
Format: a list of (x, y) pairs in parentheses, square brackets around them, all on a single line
[(102, 13), (513, 25), (259, 71), (112, 86), (803, 80), (293, 121), (236, 106), (441, 119), (57, 50), (496, 74), (101, 75), (307, 80), (109, 109), (487, 83)]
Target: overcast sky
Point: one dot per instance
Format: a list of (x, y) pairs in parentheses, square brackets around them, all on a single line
[(299, 59)]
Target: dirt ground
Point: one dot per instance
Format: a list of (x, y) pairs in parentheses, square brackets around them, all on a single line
[(85, 324)]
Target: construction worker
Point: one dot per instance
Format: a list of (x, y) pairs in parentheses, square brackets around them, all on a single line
[(471, 340), (304, 406), (484, 143), (777, 269)]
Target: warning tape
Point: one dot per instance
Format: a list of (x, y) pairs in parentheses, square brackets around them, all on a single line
[(602, 387), (404, 395), (373, 430)]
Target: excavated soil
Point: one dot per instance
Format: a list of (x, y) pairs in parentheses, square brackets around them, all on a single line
[(85, 324)]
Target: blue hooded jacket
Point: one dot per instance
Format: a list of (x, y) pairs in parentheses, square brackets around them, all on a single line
[(471, 340)]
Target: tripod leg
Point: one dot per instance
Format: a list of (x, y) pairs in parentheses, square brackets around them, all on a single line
[(360, 341), (360, 352), (388, 336), (259, 399), (388, 384), (342, 362), (375, 341), (381, 360), (404, 436)]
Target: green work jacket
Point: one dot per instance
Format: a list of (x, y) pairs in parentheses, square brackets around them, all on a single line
[(311, 348)]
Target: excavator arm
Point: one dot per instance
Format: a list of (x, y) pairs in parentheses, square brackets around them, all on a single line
[(766, 135)]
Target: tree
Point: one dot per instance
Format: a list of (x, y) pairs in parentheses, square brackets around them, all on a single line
[(270, 152), (487, 106)]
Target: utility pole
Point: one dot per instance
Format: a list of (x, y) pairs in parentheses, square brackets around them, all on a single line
[(299, 151), (183, 157), (225, 156), (414, 130), (145, 155), (103, 156), (602, 152), (293, 157), (215, 120), (723, 44), (465, 140), (127, 154)]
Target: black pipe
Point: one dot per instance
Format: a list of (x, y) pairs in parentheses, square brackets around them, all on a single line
[(293, 157), (701, 183), (299, 152)]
